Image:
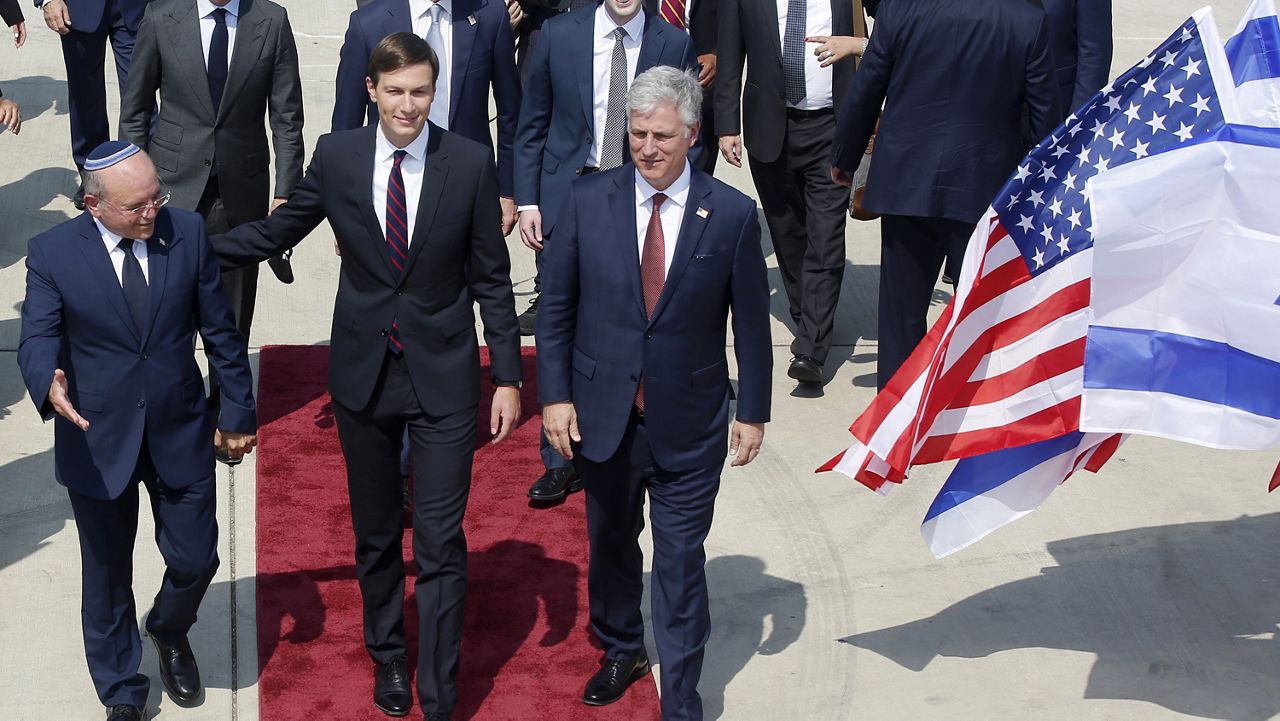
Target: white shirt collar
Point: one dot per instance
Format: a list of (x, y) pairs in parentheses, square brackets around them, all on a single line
[(111, 239), (206, 8), (419, 8), (606, 25), (416, 150), (677, 192)]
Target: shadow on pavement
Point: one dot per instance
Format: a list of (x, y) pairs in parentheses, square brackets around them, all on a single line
[(1182, 616), (22, 204)]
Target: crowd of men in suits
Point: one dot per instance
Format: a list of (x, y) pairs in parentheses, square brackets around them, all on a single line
[(610, 118)]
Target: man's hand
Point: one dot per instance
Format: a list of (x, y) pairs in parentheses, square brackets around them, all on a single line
[(731, 149), (839, 177), (235, 444), (57, 16), (19, 34), (560, 425), (707, 74), (10, 116), (276, 203), (508, 215), (515, 15), (61, 402), (505, 413), (531, 229), (745, 441)]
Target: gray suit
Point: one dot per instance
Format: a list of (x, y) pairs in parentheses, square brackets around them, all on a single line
[(192, 144)]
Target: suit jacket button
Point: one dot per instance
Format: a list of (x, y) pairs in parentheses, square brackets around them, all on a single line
[(399, 291), (141, 403), (635, 378), (649, 336), (143, 356), (207, 163), (384, 332)]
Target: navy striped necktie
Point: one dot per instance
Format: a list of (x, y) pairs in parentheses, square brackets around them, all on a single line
[(397, 235)]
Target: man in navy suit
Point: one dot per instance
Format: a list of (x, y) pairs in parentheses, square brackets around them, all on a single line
[(573, 122), (476, 47), (85, 27), (114, 297), (949, 137), (648, 262), (1080, 39)]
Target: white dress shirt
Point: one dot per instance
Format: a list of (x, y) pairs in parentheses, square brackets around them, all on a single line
[(112, 241), (817, 79), (205, 8), (420, 11), (411, 168), (602, 61), (671, 214)]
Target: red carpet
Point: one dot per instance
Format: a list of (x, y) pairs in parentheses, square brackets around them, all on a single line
[(526, 652)]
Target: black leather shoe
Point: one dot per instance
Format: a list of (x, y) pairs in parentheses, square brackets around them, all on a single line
[(125, 712), (613, 678), (391, 692), (528, 320), (178, 670), (78, 199), (435, 716), (555, 484), (805, 369), (281, 266)]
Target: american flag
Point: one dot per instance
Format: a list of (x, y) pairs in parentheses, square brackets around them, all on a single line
[(1003, 366)]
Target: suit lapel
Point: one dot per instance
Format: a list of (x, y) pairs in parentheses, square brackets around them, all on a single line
[(586, 37), (651, 44), (464, 37), (185, 34), (691, 228), (434, 177), (251, 30), (157, 271), (98, 261), (622, 207), (364, 158), (769, 23)]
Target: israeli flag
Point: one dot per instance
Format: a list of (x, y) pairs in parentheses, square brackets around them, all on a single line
[(1253, 53)]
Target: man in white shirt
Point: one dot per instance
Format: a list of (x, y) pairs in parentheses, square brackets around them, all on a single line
[(569, 128)]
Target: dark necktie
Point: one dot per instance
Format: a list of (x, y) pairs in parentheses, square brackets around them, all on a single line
[(673, 12), (218, 57), (793, 51), (653, 271), (134, 283), (615, 118), (397, 235)]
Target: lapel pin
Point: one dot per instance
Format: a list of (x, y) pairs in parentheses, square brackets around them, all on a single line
[(471, 19), (703, 213), (162, 241)]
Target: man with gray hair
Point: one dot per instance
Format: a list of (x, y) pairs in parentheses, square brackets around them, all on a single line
[(634, 381)]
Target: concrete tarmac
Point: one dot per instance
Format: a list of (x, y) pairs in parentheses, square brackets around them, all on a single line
[(1148, 591)]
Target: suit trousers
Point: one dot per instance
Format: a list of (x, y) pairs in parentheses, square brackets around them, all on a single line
[(187, 536), (84, 54), (805, 212), (443, 448), (707, 137), (683, 503), (912, 251)]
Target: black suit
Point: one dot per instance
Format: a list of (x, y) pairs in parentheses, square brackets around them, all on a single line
[(456, 258), (11, 12), (789, 151), (949, 137)]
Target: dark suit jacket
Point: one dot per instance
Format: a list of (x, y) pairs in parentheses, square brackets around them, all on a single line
[(189, 135), (11, 12), (457, 257), (127, 381), (557, 123), (595, 341), (758, 108), (483, 55), (956, 75), (1080, 38), (86, 15), (703, 23)]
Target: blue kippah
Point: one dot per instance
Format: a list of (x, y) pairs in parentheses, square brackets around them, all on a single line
[(110, 153)]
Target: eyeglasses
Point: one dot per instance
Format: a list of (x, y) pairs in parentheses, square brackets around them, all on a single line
[(156, 204)]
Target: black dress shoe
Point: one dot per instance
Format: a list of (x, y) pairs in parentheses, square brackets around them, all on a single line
[(435, 716), (78, 199), (528, 320), (555, 484), (391, 693), (125, 712), (613, 678), (178, 670), (281, 266), (805, 369)]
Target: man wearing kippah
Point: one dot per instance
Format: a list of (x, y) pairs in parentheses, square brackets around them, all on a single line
[(113, 299)]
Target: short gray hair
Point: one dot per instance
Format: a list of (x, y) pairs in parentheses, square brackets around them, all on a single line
[(664, 84), (93, 184)]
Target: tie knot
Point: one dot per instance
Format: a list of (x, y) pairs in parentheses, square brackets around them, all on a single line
[(125, 244), (220, 16), (620, 34), (434, 11), (658, 200), (398, 157)]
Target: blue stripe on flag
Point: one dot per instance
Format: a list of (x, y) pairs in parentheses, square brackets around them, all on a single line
[(980, 474), (1254, 53), (1157, 362)]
